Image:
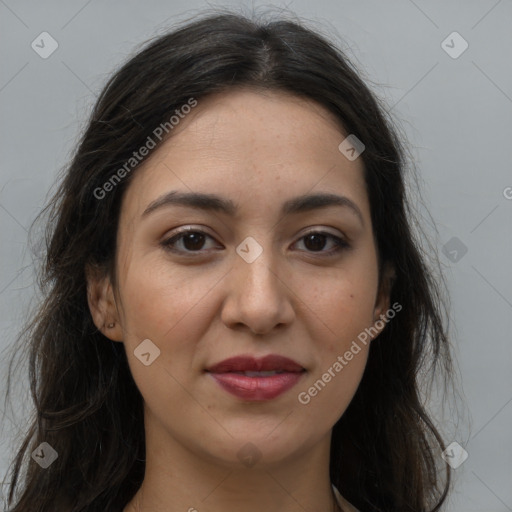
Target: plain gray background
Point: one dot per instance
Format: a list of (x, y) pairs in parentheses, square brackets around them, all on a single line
[(456, 113)]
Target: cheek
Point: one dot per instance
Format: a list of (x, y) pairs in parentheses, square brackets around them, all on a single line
[(342, 312), (169, 306), (158, 298), (327, 394), (341, 305)]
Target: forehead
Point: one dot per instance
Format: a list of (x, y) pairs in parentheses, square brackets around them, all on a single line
[(250, 146)]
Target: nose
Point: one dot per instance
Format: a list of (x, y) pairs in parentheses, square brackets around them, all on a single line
[(259, 297)]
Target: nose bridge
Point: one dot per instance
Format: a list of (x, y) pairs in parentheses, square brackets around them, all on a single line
[(257, 268), (258, 297)]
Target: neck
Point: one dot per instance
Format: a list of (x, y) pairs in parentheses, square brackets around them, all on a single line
[(177, 479)]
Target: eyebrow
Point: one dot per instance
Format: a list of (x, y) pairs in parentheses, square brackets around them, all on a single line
[(212, 202)]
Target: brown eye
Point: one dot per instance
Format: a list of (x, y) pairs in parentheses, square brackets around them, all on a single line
[(315, 241), (193, 241), (187, 241)]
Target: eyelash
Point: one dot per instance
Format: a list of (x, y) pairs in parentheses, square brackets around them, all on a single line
[(168, 244)]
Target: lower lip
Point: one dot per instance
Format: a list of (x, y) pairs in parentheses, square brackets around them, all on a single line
[(257, 388)]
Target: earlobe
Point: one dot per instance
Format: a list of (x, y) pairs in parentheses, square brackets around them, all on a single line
[(382, 304), (102, 304)]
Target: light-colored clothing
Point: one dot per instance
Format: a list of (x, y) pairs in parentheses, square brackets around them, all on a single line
[(342, 502)]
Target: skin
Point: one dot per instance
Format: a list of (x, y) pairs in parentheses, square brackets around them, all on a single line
[(258, 149)]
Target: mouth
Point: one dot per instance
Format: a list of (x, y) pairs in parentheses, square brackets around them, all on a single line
[(267, 373), (252, 379), (248, 363)]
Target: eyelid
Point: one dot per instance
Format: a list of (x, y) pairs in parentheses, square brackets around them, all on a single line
[(176, 234), (324, 231), (341, 242)]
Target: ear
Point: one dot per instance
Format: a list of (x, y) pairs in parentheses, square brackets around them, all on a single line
[(382, 303), (102, 303)]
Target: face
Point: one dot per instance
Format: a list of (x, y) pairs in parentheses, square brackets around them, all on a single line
[(261, 270)]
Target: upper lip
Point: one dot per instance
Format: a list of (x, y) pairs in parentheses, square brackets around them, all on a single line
[(247, 363)]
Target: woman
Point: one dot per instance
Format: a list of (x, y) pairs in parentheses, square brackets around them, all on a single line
[(237, 311)]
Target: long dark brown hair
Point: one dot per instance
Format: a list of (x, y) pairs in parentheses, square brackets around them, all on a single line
[(385, 451)]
